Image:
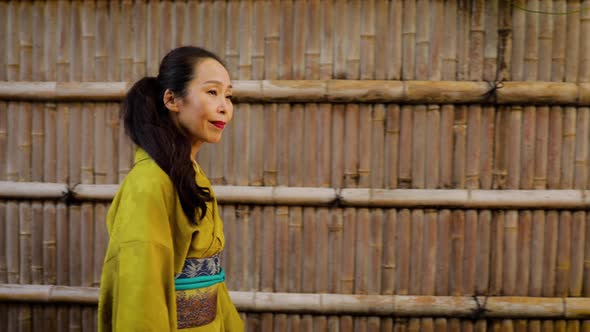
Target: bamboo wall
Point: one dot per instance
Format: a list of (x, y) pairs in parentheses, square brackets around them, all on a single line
[(531, 252)]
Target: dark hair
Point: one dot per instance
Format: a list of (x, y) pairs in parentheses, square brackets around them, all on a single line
[(149, 125)]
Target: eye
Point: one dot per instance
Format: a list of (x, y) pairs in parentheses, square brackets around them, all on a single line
[(212, 92), (229, 97)]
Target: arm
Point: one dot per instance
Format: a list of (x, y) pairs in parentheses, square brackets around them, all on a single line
[(143, 278)]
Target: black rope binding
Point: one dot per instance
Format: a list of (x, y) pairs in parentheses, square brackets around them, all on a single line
[(491, 96), (69, 197), (479, 312)]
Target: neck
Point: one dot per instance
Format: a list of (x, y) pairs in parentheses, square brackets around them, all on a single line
[(195, 147)]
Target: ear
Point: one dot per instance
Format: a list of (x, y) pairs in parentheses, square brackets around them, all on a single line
[(170, 101)]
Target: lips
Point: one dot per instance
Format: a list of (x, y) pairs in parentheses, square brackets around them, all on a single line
[(218, 124)]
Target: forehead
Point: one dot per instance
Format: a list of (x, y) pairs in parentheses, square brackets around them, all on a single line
[(211, 70)]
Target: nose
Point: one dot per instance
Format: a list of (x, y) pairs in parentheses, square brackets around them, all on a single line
[(223, 105)]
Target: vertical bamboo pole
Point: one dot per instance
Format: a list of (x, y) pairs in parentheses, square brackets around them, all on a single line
[(582, 148), (340, 24), (408, 40), (37, 259), (25, 122), (555, 151), (584, 70), (282, 212), (524, 253), (577, 253), (320, 274), (474, 129), (531, 46), (537, 253), (435, 58), (139, 62), (167, 28), (363, 251), (514, 149), (564, 246), (231, 254), (339, 177), (487, 147), (510, 247), (402, 251), (295, 257), (383, 38), (418, 147), (586, 281), (352, 42), (432, 147), (470, 252), (444, 243), (367, 40), (484, 240), (422, 47), (335, 248), (490, 50), (286, 40), (268, 252), (418, 232), (62, 161), (388, 279), (446, 145), (500, 150), (405, 147), (477, 41), (309, 249), (180, 24), (257, 119), (541, 147), (152, 43), (558, 49), (460, 143), (351, 142), (365, 150), (568, 147), (327, 18), (572, 41), (3, 165), (545, 46), (528, 148), (429, 251), (377, 145), (392, 134), (347, 260), (3, 204), (550, 253), (449, 47), (122, 54), (463, 40), (518, 42)]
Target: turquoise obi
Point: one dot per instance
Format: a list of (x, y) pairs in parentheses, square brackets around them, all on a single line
[(199, 272)]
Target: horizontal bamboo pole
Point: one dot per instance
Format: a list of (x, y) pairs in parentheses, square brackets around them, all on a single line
[(321, 91), (342, 304), (303, 196)]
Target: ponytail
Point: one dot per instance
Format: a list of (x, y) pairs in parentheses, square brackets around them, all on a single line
[(149, 125)]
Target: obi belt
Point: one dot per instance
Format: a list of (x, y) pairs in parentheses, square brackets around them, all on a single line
[(196, 291), (199, 273)]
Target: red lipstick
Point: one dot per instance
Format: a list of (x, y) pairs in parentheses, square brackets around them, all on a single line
[(218, 124)]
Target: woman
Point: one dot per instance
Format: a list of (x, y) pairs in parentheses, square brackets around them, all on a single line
[(162, 271)]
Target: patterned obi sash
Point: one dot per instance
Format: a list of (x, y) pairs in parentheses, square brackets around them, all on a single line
[(199, 273), (196, 291)]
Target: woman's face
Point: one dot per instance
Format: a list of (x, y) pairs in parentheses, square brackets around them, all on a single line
[(206, 108)]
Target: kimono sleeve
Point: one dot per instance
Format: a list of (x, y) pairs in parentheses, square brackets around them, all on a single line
[(144, 293), (143, 280)]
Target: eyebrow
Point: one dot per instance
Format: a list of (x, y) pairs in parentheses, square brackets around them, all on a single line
[(216, 82)]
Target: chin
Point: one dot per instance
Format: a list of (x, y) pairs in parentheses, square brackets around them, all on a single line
[(214, 140)]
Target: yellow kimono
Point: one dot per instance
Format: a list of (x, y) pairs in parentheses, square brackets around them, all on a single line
[(150, 239)]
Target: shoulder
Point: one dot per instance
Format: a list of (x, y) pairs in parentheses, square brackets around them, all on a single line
[(147, 178)]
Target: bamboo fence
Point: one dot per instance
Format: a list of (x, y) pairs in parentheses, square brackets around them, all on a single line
[(391, 166)]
